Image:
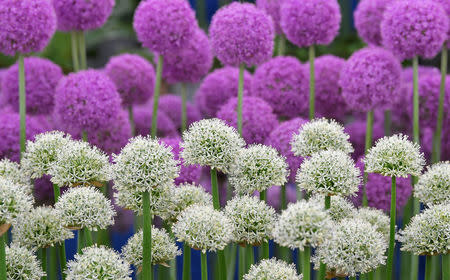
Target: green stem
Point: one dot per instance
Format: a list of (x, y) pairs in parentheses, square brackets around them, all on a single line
[(323, 267), (300, 260), (250, 257), (183, 107), (368, 145), (131, 118), (390, 260), (242, 261), (281, 45), (3, 257), (387, 123), (446, 267), (186, 262), (352, 278), (312, 83), (222, 265), (62, 247), (53, 263), (327, 202), (147, 243), (283, 200), (444, 57), (378, 273), (88, 237), (44, 262), (204, 266), (240, 97), (416, 131), (22, 104), (231, 260), (82, 50), (428, 268), (84, 136), (215, 189), (307, 263), (81, 241), (264, 245), (75, 60), (156, 91), (201, 13)]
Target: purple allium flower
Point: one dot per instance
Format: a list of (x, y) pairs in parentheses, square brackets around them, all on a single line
[(241, 33), (188, 173), (310, 22), (81, 14), (414, 28), (446, 5), (26, 26), (274, 195), (219, 86), (283, 83), (407, 73), (164, 26), (357, 132), (368, 16), (191, 63), (41, 78), (258, 119), (143, 122), (426, 141), (134, 77), (172, 106), (370, 79), (272, 7)]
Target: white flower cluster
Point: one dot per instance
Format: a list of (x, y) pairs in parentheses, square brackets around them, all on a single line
[(354, 247), (320, 135), (257, 168), (340, 207), (210, 142), (303, 224), (272, 269), (41, 153), (79, 163), (376, 218), (98, 263), (329, 173), (85, 207), (21, 263), (40, 228), (395, 156), (13, 201), (253, 219), (184, 196), (428, 233), (203, 228), (433, 186), (164, 248), (11, 170)]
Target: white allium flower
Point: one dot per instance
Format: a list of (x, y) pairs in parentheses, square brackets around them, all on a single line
[(79, 163), (428, 233), (433, 186), (376, 218), (13, 201), (257, 168), (185, 195), (395, 156), (272, 269), (41, 153), (203, 228), (340, 207), (11, 171), (144, 164), (210, 142), (22, 264), (329, 173), (85, 207), (40, 228), (164, 248), (253, 219), (98, 263), (354, 247), (303, 224), (320, 135)]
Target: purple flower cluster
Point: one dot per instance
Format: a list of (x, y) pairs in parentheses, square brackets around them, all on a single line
[(272, 8), (143, 122), (368, 16), (446, 5), (426, 141), (172, 106), (357, 132)]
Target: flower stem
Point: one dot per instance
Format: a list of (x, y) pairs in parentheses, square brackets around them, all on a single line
[(147, 243), (53, 263), (75, 59), (22, 104), (446, 267), (156, 90), (82, 50), (368, 145), (387, 123), (307, 263), (88, 237), (44, 262), (242, 261), (283, 204), (437, 150), (250, 257), (131, 118), (62, 246), (323, 267), (84, 136), (312, 83), (416, 131), (265, 245), (281, 45), (215, 189), (186, 262), (183, 107), (428, 268), (2, 257), (240, 97), (81, 241), (390, 260), (204, 266)]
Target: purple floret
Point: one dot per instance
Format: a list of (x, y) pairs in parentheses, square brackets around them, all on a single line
[(357, 132), (191, 63), (133, 76), (241, 33), (164, 26), (41, 78), (283, 83), (172, 106), (414, 28), (81, 14), (446, 5), (368, 16), (219, 86), (370, 79), (25, 26), (143, 122), (272, 7), (310, 22)]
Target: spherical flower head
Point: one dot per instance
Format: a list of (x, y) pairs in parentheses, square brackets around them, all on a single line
[(252, 26), (414, 28), (172, 106), (258, 118), (395, 156), (283, 83), (357, 132), (41, 153), (370, 79), (14, 201), (329, 173), (320, 135), (272, 8), (211, 142), (252, 218), (186, 195), (164, 248), (428, 233), (303, 224), (376, 218), (26, 26), (191, 63), (143, 122), (203, 228), (218, 87), (143, 164), (87, 100), (446, 5), (340, 207), (79, 163), (11, 171), (354, 247), (81, 15), (98, 263), (21, 263), (164, 26), (257, 168), (133, 76), (272, 269), (311, 22), (41, 78), (433, 186), (368, 16), (40, 228)]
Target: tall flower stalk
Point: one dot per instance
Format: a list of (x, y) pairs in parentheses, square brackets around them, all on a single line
[(147, 271), (156, 93), (312, 83), (368, 145), (204, 266), (438, 134), (62, 247), (183, 107), (22, 104), (75, 58), (240, 97), (3, 256)]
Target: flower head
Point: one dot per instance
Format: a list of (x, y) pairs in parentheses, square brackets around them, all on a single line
[(172, 105), (340, 207), (376, 218), (143, 122), (433, 186), (21, 263), (14, 201), (11, 171), (368, 16), (186, 195), (272, 8), (272, 269)]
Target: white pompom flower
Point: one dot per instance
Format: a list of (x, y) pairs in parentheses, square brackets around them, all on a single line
[(14, 201), (11, 170), (272, 269), (22, 264), (433, 186), (376, 218), (340, 207)]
